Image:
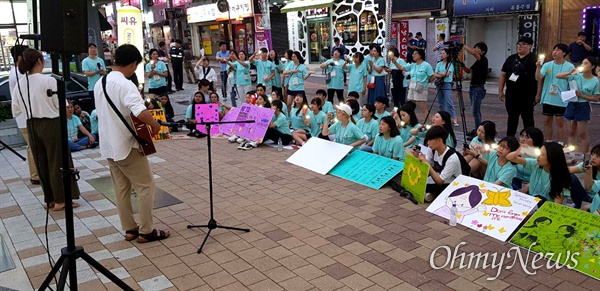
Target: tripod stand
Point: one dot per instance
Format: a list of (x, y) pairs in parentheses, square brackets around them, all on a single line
[(5, 146), (70, 254), (212, 222), (457, 79)]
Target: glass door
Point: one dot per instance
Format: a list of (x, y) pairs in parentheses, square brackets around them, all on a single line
[(319, 41)]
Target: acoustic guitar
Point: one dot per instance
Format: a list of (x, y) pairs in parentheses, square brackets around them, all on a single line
[(144, 134)]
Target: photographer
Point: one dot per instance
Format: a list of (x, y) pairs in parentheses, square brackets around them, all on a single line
[(479, 73)]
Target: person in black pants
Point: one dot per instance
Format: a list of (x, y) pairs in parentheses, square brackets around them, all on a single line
[(176, 54), (162, 55), (518, 74), (399, 91)]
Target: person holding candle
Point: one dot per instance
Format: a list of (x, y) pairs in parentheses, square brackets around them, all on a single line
[(375, 67), (345, 131), (334, 67), (369, 125), (443, 119), (532, 138), (498, 169), (388, 142), (156, 72), (297, 74), (553, 107), (421, 73), (298, 113), (486, 134), (578, 111), (315, 119), (358, 76), (406, 119), (592, 179), (327, 106), (263, 101), (276, 95)]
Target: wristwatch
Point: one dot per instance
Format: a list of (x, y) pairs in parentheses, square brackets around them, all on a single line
[(477, 156)]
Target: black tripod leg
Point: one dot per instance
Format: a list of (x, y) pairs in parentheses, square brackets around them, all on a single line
[(104, 271), (52, 273), (234, 228), (204, 241), (5, 146), (196, 226), (63, 274)]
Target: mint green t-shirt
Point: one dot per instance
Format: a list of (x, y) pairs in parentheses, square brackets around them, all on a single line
[(377, 63), (297, 79), (539, 184), (277, 77), (296, 119), (356, 78), (337, 74), (382, 115), (371, 129), (264, 69), (156, 81), (551, 92), (92, 65), (390, 148), (73, 127), (281, 123), (495, 172), (441, 68), (346, 135), (406, 136), (242, 74), (588, 87), (420, 73), (316, 122)]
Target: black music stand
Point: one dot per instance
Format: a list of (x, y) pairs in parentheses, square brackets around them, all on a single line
[(212, 223)]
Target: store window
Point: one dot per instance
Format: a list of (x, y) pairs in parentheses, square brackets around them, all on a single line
[(367, 28), (319, 25), (347, 28)]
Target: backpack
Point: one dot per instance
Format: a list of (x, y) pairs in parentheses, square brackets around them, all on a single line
[(465, 168)]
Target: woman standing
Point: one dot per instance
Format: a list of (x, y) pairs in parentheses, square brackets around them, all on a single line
[(274, 58), (357, 81), (44, 127), (421, 74), (376, 67), (157, 73), (242, 73), (288, 66), (336, 76), (398, 87), (297, 75), (445, 70)]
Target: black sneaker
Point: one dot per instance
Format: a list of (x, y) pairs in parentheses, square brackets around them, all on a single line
[(191, 133)]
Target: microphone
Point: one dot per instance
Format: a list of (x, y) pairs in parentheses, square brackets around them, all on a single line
[(99, 66)]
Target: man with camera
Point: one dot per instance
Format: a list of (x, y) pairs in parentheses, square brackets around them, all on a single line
[(479, 73)]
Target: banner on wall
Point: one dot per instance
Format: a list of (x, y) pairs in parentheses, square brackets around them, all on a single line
[(403, 31), (263, 35), (296, 32), (395, 35), (475, 7), (528, 26), (130, 31), (442, 25)]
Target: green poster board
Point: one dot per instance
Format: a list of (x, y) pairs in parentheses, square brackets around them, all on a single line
[(414, 177), (565, 235)]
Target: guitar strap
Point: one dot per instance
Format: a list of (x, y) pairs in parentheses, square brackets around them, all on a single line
[(140, 140)]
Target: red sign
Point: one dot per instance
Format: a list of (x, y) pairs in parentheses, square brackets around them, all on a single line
[(135, 3), (403, 36), (181, 2)]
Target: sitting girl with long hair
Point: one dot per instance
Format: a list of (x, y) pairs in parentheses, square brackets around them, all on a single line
[(388, 142), (486, 133), (406, 119), (499, 170), (369, 125), (314, 120)]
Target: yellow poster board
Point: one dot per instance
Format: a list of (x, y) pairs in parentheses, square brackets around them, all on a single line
[(129, 23), (164, 133)]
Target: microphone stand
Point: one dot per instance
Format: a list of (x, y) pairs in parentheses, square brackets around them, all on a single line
[(212, 222), (5, 146)]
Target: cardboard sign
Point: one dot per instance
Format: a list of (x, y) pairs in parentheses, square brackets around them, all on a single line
[(414, 177), (231, 115), (253, 131), (207, 113), (485, 207), (165, 132), (564, 235), (367, 169), (319, 155)]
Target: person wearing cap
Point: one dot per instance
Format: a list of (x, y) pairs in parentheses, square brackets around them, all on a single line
[(411, 45), (345, 131), (518, 75), (421, 42), (479, 74), (579, 49)]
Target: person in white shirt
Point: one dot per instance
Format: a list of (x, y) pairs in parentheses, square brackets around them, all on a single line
[(205, 72), (441, 174), (44, 127), (129, 168), (21, 119)]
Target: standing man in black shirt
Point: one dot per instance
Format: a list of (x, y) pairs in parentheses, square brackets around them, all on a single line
[(479, 74), (411, 44), (176, 54), (579, 49), (518, 74)]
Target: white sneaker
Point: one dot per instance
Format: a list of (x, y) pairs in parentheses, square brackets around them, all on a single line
[(429, 197), (241, 145), (247, 146), (240, 140), (253, 144), (233, 138)]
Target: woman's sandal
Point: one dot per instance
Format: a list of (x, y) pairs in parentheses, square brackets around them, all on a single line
[(153, 236), (61, 208), (132, 234), (49, 205)]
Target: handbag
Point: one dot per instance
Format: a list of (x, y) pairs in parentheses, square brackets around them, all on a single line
[(327, 77), (440, 81), (371, 86)]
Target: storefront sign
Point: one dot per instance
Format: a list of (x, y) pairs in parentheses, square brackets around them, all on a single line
[(475, 7), (295, 27), (181, 2), (395, 35), (202, 13), (130, 30), (528, 26), (158, 2), (238, 9), (399, 6), (403, 48), (317, 13), (442, 25)]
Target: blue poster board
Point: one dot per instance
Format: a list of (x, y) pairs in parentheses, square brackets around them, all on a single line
[(367, 169), (478, 7)]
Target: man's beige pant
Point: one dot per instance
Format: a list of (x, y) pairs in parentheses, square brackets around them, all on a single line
[(33, 174), (134, 173)]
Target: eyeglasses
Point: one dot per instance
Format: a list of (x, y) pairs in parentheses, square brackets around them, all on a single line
[(524, 136), (522, 44)]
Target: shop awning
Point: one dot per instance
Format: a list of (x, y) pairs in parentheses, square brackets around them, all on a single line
[(306, 4)]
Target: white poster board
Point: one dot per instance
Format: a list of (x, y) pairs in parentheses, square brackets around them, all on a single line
[(485, 207), (319, 155)]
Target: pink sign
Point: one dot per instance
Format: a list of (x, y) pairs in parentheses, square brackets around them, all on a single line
[(207, 113), (253, 131), (181, 2), (231, 115)]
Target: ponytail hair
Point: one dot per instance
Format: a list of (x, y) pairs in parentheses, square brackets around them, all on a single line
[(29, 59), (595, 63)]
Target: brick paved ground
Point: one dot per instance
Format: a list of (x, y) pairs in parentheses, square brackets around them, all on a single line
[(308, 232)]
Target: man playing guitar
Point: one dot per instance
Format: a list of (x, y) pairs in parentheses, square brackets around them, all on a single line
[(129, 167)]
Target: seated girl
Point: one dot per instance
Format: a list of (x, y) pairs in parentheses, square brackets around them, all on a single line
[(214, 99), (278, 128), (84, 117), (249, 99), (443, 119), (276, 95), (406, 119), (315, 119), (499, 170), (388, 142), (592, 179), (298, 113), (486, 133), (345, 131), (356, 111), (73, 127), (369, 125), (167, 108), (529, 137), (190, 113), (263, 101)]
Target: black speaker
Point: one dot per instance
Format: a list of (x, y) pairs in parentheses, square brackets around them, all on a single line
[(64, 25)]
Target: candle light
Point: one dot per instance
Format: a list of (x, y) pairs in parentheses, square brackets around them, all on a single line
[(580, 69), (402, 123), (304, 109), (307, 116), (571, 147), (335, 120), (486, 147), (542, 57), (148, 100), (537, 152), (494, 146), (395, 109), (427, 126)]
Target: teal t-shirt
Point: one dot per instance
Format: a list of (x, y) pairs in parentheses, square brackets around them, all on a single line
[(391, 148), (382, 115), (281, 123), (264, 69), (277, 78), (495, 172), (476, 141), (242, 74), (157, 81), (73, 127), (596, 185), (420, 73), (356, 78), (337, 74), (92, 65), (371, 129), (441, 68), (379, 63), (588, 87), (406, 136), (539, 183), (328, 107), (94, 121), (551, 92), (346, 135), (288, 67), (297, 79), (316, 122), (296, 119), (188, 112)]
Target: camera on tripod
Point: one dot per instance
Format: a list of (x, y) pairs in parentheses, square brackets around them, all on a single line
[(455, 48)]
